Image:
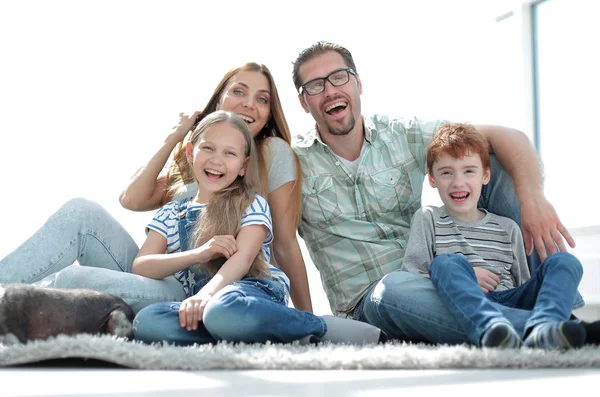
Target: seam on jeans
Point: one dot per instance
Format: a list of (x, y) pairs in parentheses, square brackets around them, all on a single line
[(93, 234)]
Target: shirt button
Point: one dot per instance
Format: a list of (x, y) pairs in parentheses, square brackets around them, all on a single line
[(364, 214), (337, 163)]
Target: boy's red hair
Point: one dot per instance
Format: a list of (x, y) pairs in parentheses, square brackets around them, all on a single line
[(457, 140)]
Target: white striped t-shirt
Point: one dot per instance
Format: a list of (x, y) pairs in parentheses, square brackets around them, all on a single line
[(166, 223)]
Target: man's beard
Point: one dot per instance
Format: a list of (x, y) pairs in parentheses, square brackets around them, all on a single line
[(343, 130)]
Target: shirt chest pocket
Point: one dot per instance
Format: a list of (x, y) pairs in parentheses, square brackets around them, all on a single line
[(319, 199), (392, 188)]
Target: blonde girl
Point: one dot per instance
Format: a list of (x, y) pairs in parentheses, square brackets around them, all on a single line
[(218, 246)]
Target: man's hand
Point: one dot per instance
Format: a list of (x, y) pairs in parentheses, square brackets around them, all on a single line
[(542, 229), (486, 280)]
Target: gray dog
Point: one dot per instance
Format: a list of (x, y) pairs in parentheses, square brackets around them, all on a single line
[(28, 312)]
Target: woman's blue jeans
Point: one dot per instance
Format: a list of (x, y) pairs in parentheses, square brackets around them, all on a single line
[(84, 232), (549, 294), (251, 310)]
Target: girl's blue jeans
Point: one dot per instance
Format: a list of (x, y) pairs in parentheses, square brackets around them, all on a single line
[(250, 310)]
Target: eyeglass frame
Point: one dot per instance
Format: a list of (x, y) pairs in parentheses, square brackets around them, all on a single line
[(302, 88)]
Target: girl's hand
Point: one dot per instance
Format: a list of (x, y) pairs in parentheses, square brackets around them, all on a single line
[(487, 280), (216, 247), (191, 310), (184, 125)]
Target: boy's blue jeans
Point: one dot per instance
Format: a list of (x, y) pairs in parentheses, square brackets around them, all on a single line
[(250, 310), (549, 294)]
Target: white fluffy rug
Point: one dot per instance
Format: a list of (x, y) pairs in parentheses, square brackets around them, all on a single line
[(275, 356)]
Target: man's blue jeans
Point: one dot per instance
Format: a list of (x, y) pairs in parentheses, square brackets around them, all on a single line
[(406, 306), (251, 310), (549, 294)]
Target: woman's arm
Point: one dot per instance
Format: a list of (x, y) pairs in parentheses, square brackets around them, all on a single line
[(146, 190), (286, 249), (541, 226), (152, 261)]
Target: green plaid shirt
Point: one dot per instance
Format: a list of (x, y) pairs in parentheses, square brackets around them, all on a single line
[(356, 226)]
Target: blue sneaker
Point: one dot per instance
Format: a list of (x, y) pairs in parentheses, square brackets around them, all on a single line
[(555, 336), (502, 336)]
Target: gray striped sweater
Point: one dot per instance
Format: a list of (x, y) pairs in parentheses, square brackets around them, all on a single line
[(494, 243)]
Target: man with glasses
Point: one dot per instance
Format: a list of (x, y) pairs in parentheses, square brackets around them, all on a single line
[(363, 178)]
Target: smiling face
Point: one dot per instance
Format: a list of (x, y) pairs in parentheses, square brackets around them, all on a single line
[(248, 94), (336, 109), (217, 159), (459, 183)]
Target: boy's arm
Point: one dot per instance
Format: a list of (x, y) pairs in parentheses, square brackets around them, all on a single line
[(520, 268), (420, 248), (541, 226)]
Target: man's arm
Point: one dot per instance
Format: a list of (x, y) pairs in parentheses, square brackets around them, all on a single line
[(540, 224)]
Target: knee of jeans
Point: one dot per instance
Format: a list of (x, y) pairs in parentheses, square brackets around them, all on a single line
[(394, 284), (148, 324), (73, 276), (565, 261), (445, 265), (227, 317), (81, 205)]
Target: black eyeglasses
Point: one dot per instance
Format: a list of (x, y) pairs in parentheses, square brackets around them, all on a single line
[(336, 78)]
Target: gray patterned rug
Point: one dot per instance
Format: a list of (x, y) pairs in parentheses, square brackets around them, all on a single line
[(107, 349)]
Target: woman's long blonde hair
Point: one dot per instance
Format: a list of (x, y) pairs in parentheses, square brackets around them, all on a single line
[(179, 175), (223, 214)]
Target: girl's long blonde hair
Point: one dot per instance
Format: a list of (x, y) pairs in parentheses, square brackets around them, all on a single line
[(179, 175), (223, 214)]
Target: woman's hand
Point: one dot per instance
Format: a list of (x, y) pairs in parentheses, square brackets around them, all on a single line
[(216, 247), (191, 310), (184, 125)]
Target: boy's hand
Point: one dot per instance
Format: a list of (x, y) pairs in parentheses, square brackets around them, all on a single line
[(216, 247), (486, 280), (184, 125), (192, 309)]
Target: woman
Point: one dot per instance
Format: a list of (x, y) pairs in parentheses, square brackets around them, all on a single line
[(82, 230)]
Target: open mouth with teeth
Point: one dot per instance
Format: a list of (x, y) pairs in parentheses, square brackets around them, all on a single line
[(247, 119), (213, 175), (336, 108), (460, 197)]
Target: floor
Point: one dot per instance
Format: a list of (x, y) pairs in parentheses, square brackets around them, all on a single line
[(132, 383)]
